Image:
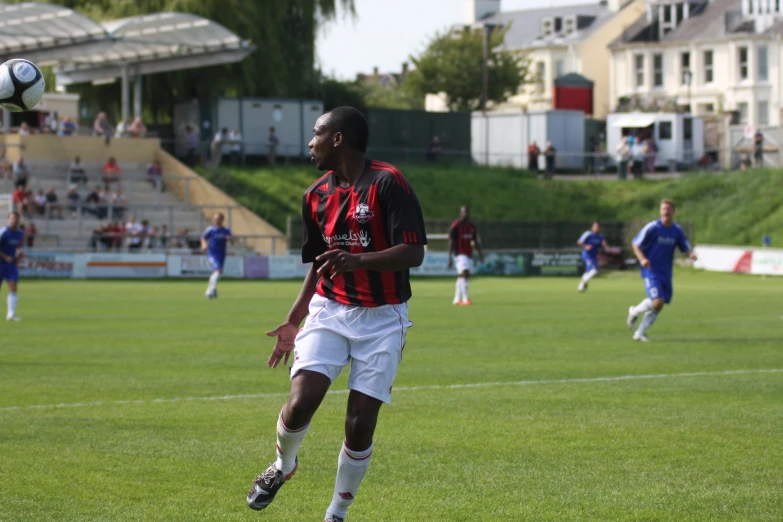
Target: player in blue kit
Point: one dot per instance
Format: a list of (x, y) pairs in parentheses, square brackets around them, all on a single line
[(10, 249), (213, 242), (654, 248), (591, 242)]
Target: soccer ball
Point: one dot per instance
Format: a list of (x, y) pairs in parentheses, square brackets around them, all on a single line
[(21, 85)]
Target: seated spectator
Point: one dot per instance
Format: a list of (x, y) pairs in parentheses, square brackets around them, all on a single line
[(54, 206), (40, 202), (137, 129), (102, 128), (29, 234), (21, 173), (111, 172), (152, 238), (119, 204), (73, 200), (76, 172), (93, 203), (24, 129), (154, 175), (97, 238), (20, 202), (181, 239), (116, 232), (163, 236), (122, 129), (135, 234), (67, 127)]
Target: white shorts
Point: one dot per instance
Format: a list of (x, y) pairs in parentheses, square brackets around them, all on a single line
[(372, 339), (463, 263)]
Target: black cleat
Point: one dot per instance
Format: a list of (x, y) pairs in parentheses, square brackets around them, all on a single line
[(266, 486), (334, 518)]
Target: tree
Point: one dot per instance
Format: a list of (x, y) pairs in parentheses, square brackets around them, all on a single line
[(394, 95), (453, 64)]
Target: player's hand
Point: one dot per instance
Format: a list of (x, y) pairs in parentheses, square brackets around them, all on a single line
[(286, 335), (450, 264), (588, 247), (693, 256), (644, 262), (335, 262)]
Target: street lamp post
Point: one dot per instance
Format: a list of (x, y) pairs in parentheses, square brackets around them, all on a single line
[(688, 77), (488, 28)]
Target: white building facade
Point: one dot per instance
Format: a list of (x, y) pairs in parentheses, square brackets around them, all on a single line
[(707, 56)]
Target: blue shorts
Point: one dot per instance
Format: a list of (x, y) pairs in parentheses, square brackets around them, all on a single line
[(590, 263), (658, 288), (9, 272), (217, 262)]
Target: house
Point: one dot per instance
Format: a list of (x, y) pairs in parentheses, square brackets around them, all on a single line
[(559, 41), (703, 56)]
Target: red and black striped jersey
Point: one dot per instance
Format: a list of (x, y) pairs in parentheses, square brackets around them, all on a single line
[(378, 212), (463, 234)]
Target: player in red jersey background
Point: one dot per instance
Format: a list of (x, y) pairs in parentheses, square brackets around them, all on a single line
[(463, 236), (363, 231)]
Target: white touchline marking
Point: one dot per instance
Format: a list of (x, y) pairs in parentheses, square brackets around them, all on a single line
[(401, 388)]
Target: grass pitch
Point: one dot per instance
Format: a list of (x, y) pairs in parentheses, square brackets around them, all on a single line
[(144, 401)]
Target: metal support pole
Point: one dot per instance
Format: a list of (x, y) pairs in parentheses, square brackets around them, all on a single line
[(485, 68), (137, 97), (125, 94), (6, 120)]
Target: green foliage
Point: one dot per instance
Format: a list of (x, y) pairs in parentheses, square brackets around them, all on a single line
[(165, 409), (394, 96), (283, 64), (335, 93), (735, 209), (453, 64)]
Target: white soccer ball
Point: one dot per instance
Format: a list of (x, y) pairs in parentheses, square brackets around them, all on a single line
[(21, 85)]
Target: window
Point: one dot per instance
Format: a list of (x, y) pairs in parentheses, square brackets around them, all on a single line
[(709, 108), (763, 117), (664, 130), (685, 68), (742, 58), (639, 68), (559, 68), (540, 72), (763, 71), (742, 109), (708, 68), (657, 70)]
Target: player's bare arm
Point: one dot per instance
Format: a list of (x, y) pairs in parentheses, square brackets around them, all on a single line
[(286, 332), (7, 259), (640, 256), (394, 259), (203, 245)]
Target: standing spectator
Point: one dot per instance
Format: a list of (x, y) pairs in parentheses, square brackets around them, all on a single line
[(40, 202), (434, 149), (623, 157), (21, 173), (24, 129), (651, 149), (76, 171), (54, 206), (111, 172), (221, 138), (29, 234), (274, 142), (101, 127), (235, 137), (122, 130), (550, 155), (639, 152), (73, 200), (134, 232), (137, 129), (67, 127), (146, 232), (119, 204), (191, 145), (155, 175), (597, 155), (532, 157), (163, 236), (758, 148), (153, 241)]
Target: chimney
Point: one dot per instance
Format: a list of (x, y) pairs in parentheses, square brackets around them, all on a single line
[(476, 10), (375, 71), (404, 68)]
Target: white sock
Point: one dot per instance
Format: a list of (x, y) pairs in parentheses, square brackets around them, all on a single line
[(213, 279), (647, 321), (458, 292), (351, 468), (288, 442), (645, 306), (465, 286), (587, 276), (12, 300)]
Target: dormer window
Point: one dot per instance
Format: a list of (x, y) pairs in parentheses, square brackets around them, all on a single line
[(547, 27)]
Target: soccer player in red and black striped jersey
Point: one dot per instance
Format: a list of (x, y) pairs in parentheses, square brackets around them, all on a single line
[(463, 236), (363, 231)]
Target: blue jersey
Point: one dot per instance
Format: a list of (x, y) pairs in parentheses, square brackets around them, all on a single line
[(216, 241), (595, 241), (658, 243), (10, 241)]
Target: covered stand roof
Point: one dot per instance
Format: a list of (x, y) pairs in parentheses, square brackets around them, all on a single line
[(83, 50)]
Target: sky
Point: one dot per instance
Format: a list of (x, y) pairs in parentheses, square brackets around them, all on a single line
[(385, 33)]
